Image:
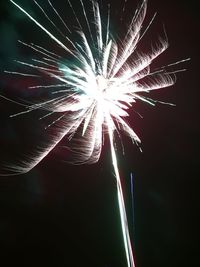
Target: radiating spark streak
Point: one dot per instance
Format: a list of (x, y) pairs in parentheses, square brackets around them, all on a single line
[(131, 38), (123, 10), (37, 67), (86, 19), (44, 63), (173, 64), (51, 53), (53, 122), (156, 72), (148, 26), (88, 118), (113, 58), (43, 105), (36, 49), (56, 62), (88, 50), (80, 83), (13, 101), (176, 71), (47, 115), (60, 91), (49, 19), (47, 86), (142, 8), (20, 73), (177, 62), (43, 28), (145, 99), (140, 75), (108, 25), (59, 16), (128, 130), (98, 26), (20, 113), (74, 14), (30, 109), (106, 58), (161, 102)]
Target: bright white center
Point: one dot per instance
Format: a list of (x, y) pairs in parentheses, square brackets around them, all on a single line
[(101, 83)]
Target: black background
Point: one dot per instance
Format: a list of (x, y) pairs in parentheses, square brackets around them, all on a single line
[(64, 215)]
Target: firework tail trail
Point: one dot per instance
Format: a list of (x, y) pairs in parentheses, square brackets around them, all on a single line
[(132, 196), (122, 210)]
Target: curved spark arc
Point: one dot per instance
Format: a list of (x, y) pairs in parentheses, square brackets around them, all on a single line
[(97, 91)]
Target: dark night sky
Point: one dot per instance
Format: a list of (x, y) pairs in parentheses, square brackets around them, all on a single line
[(64, 215)]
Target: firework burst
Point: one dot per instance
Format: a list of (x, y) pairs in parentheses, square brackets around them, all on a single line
[(92, 93)]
